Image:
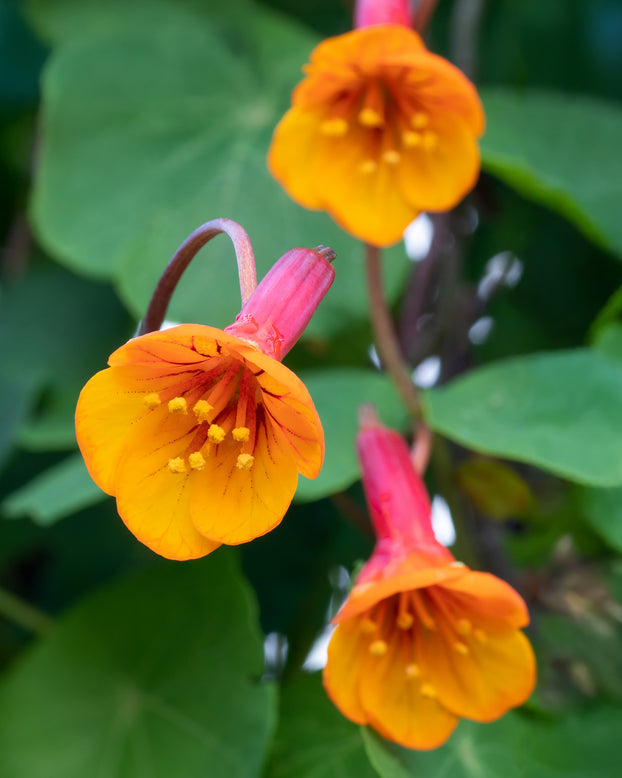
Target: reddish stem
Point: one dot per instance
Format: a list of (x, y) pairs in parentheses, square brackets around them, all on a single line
[(186, 253)]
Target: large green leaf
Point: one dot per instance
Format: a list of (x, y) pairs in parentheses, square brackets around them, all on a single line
[(157, 675), (562, 151), (337, 394), (57, 492), (603, 510), (560, 411), (156, 122), (314, 740), (514, 747)]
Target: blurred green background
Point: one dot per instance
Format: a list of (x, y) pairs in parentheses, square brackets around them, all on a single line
[(126, 124)]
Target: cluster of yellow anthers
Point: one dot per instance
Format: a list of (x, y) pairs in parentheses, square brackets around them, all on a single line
[(200, 436), (422, 640), (235, 380), (379, 130)]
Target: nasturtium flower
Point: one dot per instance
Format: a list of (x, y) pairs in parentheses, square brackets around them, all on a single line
[(201, 433), (379, 130), (422, 640)]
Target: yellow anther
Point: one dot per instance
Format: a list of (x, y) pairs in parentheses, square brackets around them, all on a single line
[(405, 620), (463, 627), (368, 166), (419, 120), (202, 410), (378, 648), (334, 128), (368, 626), (427, 690), (152, 400), (391, 156), (241, 434), (370, 118), (412, 670), (480, 636), (196, 460), (178, 405), (177, 465), (430, 140), (216, 434), (461, 648), (412, 139), (244, 461)]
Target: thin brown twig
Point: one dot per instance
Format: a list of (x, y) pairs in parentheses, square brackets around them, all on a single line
[(423, 14), (385, 336)]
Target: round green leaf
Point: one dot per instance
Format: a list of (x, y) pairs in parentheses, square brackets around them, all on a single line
[(603, 510), (314, 740), (562, 151), (155, 123), (56, 492), (157, 675), (559, 411), (515, 746)]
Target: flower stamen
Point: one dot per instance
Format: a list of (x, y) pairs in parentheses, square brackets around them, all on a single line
[(367, 166), (480, 636), (244, 461), (196, 460), (177, 465), (372, 113), (216, 434), (202, 410), (419, 120), (412, 671), (178, 405), (422, 611), (461, 648), (334, 128), (152, 400), (412, 139), (404, 620), (378, 648), (391, 156), (368, 117)]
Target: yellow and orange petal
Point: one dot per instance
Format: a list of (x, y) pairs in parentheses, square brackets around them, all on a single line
[(379, 130), (157, 431), (416, 661)]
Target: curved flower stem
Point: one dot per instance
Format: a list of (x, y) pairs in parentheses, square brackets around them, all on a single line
[(385, 336), (186, 253), (19, 612), (423, 14)]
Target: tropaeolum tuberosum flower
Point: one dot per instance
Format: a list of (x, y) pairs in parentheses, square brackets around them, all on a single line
[(200, 433), (393, 127), (421, 640)]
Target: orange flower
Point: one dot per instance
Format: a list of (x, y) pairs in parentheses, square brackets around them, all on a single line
[(379, 130), (200, 433), (422, 640)]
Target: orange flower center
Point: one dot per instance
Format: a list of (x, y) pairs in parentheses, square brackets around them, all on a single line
[(405, 619), (222, 406), (393, 119)]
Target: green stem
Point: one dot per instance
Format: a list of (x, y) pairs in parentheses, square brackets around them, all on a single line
[(20, 612), (385, 337)]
